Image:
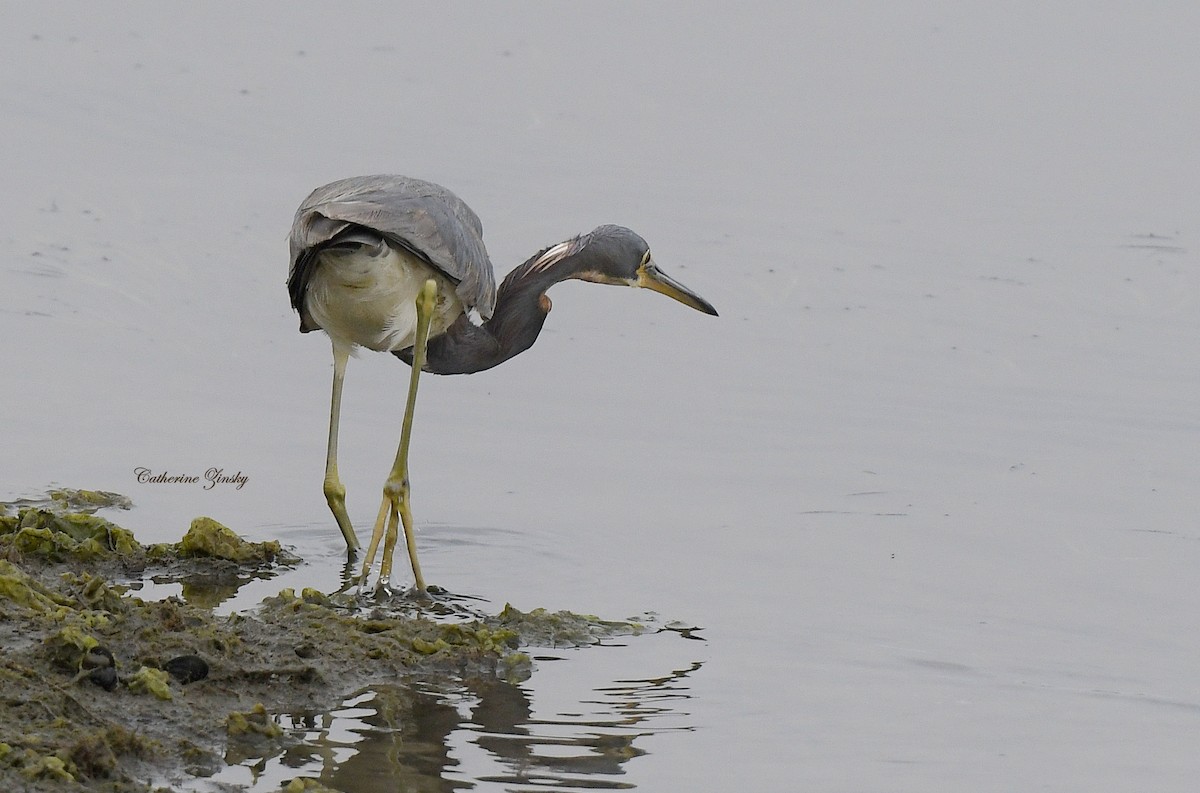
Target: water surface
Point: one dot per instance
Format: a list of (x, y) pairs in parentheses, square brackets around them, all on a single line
[(927, 485)]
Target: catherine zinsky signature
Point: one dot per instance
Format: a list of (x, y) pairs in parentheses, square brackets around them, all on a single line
[(212, 477)]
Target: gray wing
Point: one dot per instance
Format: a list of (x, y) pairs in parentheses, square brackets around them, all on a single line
[(423, 217)]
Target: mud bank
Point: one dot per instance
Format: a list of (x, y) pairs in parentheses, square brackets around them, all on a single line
[(100, 689)]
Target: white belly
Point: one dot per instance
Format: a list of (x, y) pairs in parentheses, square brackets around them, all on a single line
[(370, 300)]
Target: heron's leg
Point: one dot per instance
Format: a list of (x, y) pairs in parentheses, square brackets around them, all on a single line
[(335, 492), (395, 507)]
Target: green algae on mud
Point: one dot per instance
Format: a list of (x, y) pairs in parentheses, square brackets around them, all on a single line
[(542, 628), (207, 538), (67, 499), (85, 692), (45, 532)]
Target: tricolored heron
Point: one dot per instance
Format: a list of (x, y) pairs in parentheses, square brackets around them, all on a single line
[(398, 265)]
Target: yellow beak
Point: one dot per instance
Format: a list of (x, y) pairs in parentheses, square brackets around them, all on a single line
[(650, 277)]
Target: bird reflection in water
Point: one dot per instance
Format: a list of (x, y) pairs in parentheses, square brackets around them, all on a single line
[(414, 737)]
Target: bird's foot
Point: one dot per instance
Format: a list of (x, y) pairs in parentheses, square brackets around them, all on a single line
[(393, 512), (394, 595)]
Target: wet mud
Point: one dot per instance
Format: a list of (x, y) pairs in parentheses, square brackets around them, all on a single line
[(101, 689)]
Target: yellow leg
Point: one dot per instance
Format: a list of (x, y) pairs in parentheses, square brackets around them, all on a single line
[(395, 508), (335, 493)]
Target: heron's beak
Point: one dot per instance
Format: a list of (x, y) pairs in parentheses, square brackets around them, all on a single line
[(650, 277)]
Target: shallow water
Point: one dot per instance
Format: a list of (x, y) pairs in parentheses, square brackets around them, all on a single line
[(927, 485)]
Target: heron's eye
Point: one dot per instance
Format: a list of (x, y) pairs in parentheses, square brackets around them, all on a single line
[(645, 258)]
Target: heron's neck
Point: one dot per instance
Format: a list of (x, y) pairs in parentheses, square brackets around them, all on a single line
[(521, 309)]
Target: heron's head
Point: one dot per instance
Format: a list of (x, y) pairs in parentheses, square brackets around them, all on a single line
[(617, 255)]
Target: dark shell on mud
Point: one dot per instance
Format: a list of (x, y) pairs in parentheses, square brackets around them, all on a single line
[(187, 668), (98, 657), (105, 677)]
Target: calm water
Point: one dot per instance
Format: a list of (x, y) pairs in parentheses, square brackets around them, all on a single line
[(927, 487)]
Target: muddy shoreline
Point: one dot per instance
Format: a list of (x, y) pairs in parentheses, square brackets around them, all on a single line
[(103, 690)]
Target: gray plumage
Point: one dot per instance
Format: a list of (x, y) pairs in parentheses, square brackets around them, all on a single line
[(398, 265), (364, 215), (421, 217)]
